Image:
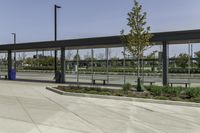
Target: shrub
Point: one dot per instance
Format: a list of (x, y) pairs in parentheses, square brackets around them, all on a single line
[(192, 92), (96, 89), (155, 90), (118, 94), (161, 98), (92, 92), (126, 87), (105, 93), (172, 91), (197, 100)]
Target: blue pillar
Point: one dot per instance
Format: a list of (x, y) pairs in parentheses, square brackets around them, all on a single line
[(9, 64)]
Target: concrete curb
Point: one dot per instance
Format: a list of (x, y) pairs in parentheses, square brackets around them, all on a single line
[(187, 104)]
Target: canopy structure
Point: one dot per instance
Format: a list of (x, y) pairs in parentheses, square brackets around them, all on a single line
[(174, 37), (161, 38)]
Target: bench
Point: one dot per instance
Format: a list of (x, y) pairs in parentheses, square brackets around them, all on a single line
[(149, 82), (5, 76), (103, 80), (186, 83)]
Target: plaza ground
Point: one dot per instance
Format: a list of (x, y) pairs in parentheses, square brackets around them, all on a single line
[(27, 107)]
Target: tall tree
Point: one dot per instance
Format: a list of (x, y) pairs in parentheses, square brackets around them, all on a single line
[(138, 38)]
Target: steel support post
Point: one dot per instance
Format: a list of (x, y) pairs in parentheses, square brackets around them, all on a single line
[(92, 64), (124, 64), (107, 65), (55, 33), (189, 63), (77, 63), (37, 57), (62, 58), (165, 63), (9, 64)]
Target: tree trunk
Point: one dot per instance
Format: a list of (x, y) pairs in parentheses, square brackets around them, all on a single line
[(140, 87), (138, 67)]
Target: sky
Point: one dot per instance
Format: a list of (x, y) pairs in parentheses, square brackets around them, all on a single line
[(33, 20)]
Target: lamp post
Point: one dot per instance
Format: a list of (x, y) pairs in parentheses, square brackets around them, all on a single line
[(55, 26), (14, 41)]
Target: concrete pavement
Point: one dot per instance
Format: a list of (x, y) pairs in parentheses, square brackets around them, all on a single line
[(30, 108)]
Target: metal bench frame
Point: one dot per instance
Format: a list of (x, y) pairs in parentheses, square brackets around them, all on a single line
[(94, 81), (150, 82), (186, 83), (5, 76)]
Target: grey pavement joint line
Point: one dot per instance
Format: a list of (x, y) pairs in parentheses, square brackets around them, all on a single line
[(136, 120), (147, 125), (70, 111), (42, 124), (76, 115), (164, 114), (29, 115), (167, 114), (147, 109), (8, 118)]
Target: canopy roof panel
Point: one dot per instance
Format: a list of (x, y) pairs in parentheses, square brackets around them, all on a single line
[(172, 37)]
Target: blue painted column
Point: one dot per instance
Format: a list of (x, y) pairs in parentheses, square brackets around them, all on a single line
[(9, 64)]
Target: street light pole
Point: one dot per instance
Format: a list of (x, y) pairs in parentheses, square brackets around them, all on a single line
[(14, 41), (55, 26)]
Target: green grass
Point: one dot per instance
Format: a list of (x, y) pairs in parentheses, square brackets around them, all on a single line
[(152, 92)]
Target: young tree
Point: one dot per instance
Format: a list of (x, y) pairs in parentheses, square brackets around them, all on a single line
[(138, 38)]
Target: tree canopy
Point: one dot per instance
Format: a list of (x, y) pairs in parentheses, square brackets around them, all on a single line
[(138, 38)]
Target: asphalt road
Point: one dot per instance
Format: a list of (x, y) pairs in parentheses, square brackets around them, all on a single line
[(86, 78)]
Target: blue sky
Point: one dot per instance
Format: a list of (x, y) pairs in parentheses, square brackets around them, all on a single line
[(32, 20)]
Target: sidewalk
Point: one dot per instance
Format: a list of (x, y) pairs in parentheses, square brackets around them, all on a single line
[(29, 108)]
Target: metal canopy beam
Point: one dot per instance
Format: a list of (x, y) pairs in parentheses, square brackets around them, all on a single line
[(175, 37)]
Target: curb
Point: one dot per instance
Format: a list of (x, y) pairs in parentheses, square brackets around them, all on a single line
[(167, 102)]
